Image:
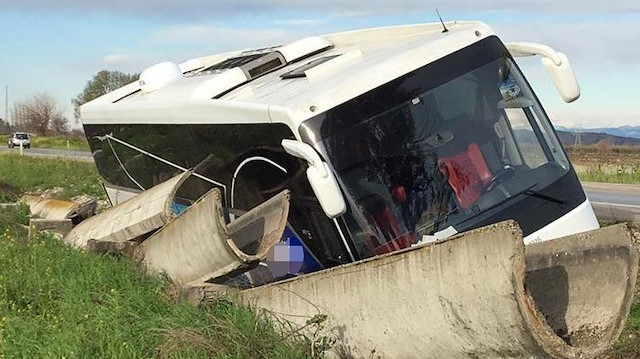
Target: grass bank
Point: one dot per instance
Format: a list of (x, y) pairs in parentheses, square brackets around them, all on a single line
[(19, 174), (57, 302)]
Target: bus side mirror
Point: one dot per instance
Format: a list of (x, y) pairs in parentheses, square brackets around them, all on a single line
[(555, 63), (322, 180), (563, 77)]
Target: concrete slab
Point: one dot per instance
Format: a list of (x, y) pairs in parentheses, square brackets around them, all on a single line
[(131, 219), (616, 212), (198, 246), (61, 227), (49, 208), (471, 296)]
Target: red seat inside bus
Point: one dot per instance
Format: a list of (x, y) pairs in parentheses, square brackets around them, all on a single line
[(467, 173)]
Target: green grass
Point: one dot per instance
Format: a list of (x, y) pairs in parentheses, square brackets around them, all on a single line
[(19, 174), (73, 143), (611, 174), (628, 346), (57, 302)]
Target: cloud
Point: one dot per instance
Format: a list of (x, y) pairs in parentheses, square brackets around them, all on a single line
[(595, 118), (591, 40), (350, 14), (223, 8), (185, 33), (223, 37), (299, 22), (112, 59)]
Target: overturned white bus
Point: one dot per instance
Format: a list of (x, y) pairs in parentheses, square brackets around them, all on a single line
[(367, 151), (386, 137)]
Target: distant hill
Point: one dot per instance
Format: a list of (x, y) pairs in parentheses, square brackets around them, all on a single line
[(624, 131), (568, 138)]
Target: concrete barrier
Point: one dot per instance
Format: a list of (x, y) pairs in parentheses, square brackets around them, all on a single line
[(199, 246), (140, 215), (616, 212), (476, 295)]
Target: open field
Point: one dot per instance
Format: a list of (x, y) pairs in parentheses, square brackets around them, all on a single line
[(614, 164)]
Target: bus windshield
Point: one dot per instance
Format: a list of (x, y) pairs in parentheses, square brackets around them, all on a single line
[(440, 158)]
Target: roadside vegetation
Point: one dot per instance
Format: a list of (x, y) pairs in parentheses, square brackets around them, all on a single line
[(60, 142), (42, 117), (20, 174), (604, 163), (58, 302), (628, 346)]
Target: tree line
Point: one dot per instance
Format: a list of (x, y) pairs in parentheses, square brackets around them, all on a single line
[(41, 115)]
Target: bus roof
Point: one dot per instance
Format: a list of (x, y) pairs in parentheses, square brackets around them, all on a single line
[(220, 88)]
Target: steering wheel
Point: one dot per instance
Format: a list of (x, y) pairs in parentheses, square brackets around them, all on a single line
[(506, 172)]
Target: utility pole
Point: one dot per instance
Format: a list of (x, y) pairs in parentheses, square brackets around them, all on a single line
[(6, 104)]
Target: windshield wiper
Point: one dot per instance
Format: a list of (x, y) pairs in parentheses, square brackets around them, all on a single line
[(532, 193), (476, 210), (527, 191)]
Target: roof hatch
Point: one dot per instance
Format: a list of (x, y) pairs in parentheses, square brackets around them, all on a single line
[(300, 71)]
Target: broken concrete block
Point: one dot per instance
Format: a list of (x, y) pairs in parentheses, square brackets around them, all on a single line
[(48, 208), (61, 227), (87, 207), (199, 246), (78, 209), (480, 294), (127, 248), (202, 293), (144, 213)]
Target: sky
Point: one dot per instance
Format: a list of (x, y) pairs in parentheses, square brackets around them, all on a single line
[(57, 46)]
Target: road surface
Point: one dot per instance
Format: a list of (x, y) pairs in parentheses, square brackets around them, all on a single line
[(612, 193), (610, 201), (47, 152)]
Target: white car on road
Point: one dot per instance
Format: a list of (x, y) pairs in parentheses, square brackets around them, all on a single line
[(19, 138)]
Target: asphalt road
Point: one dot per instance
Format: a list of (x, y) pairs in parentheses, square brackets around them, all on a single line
[(46, 152), (611, 193), (616, 202)]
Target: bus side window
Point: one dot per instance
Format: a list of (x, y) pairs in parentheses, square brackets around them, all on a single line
[(258, 177)]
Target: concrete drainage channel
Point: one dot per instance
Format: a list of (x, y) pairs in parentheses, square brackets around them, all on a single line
[(481, 294)]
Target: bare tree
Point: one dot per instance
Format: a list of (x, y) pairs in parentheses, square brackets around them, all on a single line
[(59, 124), (4, 126), (37, 113)]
